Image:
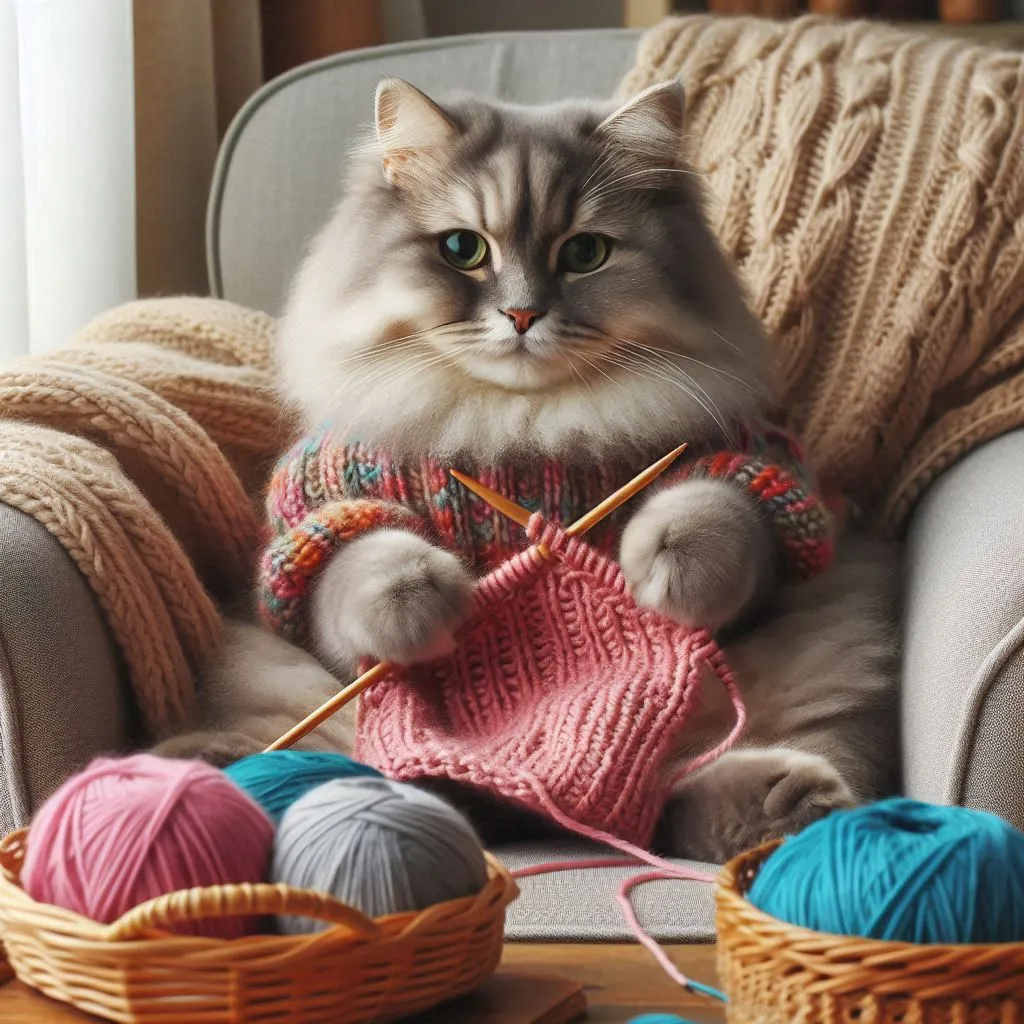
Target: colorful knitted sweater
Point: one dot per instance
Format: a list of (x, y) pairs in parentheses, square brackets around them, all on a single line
[(326, 491)]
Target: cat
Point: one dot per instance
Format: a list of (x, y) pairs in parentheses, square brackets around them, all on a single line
[(502, 284)]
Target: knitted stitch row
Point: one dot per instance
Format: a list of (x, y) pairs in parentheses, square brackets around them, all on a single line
[(326, 491), (562, 696)]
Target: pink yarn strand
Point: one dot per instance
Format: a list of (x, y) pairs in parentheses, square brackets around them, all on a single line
[(637, 928), (716, 662), (665, 870)]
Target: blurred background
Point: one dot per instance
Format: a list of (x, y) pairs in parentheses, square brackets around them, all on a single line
[(112, 111)]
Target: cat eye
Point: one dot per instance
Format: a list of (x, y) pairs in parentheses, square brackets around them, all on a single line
[(464, 250), (583, 253)]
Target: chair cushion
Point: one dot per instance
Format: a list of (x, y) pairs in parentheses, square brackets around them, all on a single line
[(580, 905)]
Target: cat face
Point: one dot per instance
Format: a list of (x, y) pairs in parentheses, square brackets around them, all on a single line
[(502, 278)]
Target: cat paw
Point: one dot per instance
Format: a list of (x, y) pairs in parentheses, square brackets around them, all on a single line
[(747, 797), (216, 748), (390, 595), (697, 552)]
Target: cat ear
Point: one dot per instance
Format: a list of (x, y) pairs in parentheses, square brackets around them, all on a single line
[(650, 124), (409, 124)]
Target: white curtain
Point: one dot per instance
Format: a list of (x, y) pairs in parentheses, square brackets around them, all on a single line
[(67, 167)]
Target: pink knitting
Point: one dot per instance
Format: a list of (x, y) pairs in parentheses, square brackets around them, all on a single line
[(563, 696)]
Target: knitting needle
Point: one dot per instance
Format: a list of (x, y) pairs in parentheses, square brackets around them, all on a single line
[(519, 515), (507, 508), (329, 707), (586, 522)]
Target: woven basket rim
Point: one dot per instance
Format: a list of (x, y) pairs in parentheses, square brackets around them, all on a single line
[(246, 899), (732, 890)]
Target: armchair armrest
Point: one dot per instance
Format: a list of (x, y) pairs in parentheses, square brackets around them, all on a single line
[(963, 655), (62, 695)]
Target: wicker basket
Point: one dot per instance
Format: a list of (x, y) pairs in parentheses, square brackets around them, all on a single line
[(360, 970), (775, 973)]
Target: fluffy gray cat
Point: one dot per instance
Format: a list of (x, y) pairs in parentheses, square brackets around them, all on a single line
[(504, 282)]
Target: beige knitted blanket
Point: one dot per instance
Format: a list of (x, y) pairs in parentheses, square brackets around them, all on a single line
[(141, 448), (868, 184)]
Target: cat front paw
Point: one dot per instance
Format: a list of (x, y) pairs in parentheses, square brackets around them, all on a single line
[(747, 797), (390, 595), (697, 552)]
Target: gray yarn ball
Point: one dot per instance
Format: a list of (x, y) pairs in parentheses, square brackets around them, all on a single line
[(377, 845)]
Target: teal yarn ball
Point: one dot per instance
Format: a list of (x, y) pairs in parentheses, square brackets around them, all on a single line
[(658, 1018), (903, 871), (275, 779), (377, 845)]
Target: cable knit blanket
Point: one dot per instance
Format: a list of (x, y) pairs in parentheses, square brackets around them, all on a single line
[(869, 186), (142, 448)]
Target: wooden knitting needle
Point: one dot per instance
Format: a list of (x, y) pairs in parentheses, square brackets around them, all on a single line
[(586, 522), (518, 514), (329, 707)]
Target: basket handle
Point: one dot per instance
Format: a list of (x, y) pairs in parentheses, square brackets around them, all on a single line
[(245, 900)]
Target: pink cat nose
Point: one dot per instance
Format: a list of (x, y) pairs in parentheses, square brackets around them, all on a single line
[(523, 319)]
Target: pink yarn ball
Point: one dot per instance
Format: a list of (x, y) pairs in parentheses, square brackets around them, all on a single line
[(126, 830)]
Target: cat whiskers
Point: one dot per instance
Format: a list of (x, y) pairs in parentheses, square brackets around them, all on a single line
[(608, 154), (608, 188), (665, 355), (653, 366), (392, 345), (644, 365), (375, 365), (575, 369), (370, 387), (594, 366)]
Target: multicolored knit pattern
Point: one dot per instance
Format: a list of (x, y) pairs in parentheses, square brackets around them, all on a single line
[(325, 491), (562, 696), (292, 560), (771, 468)]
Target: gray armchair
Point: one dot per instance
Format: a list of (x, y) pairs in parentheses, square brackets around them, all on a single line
[(62, 695)]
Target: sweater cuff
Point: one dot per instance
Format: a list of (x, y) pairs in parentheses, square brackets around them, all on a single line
[(292, 560), (804, 523)]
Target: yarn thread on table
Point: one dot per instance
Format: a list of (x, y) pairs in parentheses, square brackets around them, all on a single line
[(126, 830), (378, 845), (900, 870), (275, 779)]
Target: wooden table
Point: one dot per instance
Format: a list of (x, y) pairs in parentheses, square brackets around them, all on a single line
[(619, 982)]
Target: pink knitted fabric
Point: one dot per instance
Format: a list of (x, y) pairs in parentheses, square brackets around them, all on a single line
[(562, 696)]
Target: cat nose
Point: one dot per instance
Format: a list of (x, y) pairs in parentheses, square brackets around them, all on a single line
[(523, 319)]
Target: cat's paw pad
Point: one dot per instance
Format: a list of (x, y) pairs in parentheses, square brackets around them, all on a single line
[(695, 552), (748, 797), (393, 596)]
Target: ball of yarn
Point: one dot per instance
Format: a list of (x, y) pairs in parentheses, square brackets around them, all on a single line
[(658, 1018), (125, 830), (900, 870), (377, 845), (275, 779)]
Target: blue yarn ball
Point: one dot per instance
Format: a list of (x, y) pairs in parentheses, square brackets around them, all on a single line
[(658, 1018), (903, 871), (275, 779)]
